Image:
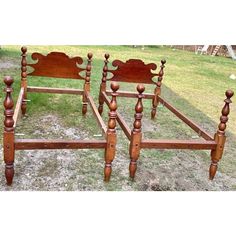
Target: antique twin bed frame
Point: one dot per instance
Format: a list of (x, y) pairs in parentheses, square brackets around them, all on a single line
[(55, 65), (135, 71), (59, 65)]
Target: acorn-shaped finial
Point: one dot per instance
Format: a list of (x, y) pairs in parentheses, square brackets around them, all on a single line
[(107, 56), (24, 49), (90, 55), (229, 93), (8, 80), (140, 88), (114, 86)]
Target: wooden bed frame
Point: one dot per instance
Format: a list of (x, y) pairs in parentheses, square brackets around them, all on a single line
[(135, 71), (56, 65)]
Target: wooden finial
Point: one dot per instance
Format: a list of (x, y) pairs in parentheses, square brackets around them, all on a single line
[(225, 111), (105, 68), (111, 133), (8, 136), (220, 137), (113, 107), (23, 63), (103, 83), (87, 83), (161, 73), (136, 135), (157, 91), (88, 68), (139, 109), (8, 81), (107, 56), (24, 79), (8, 104), (89, 55), (24, 49)]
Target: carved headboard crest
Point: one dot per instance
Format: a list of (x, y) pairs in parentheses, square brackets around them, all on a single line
[(56, 64), (133, 71)]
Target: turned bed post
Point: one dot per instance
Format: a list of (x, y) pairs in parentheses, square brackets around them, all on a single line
[(87, 83), (103, 83), (8, 134), (136, 135), (111, 133), (157, 91), (24, 79), (220, 136)]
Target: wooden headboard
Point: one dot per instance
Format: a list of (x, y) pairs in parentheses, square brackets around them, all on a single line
[(133, 71), (57, 65)]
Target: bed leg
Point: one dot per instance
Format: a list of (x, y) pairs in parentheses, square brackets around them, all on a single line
[(87, 83), (111, 134), (157, 91), (24, 79), (103, 84), (220, 137), (136, 135), (8, 135)]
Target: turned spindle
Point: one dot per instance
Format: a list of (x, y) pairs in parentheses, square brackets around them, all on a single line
[(136, 135), (220, 137), (157, 91), (8, 135), (87, 83), (103, 83), (24, 79), (111, 133)]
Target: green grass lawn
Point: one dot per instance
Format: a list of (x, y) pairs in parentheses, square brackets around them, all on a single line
[(195, 84)]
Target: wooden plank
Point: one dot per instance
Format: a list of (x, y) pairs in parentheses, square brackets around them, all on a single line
[(131, 94), (96, 114), (178, 144), (18, 106), (30, 144), (124, 126), (201, 132), (54, 90), (119, 118)]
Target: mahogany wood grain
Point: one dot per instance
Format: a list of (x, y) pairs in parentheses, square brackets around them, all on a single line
[(18, 106), (96, 114), (128, 94), (220, 137), (56, 65), (119, 119), (55, 90), (110, 150), (30, 144), (178, 144), (87, 83), (133, 71), (136, 135), (103, 84), (8, 134), (24, 79), (201, 132), (157, 91)]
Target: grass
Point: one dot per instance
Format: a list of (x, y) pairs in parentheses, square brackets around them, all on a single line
[(195, 84)]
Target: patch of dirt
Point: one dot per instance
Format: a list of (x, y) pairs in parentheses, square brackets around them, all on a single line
[(71, 170), (183, 172), (7, 65)]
